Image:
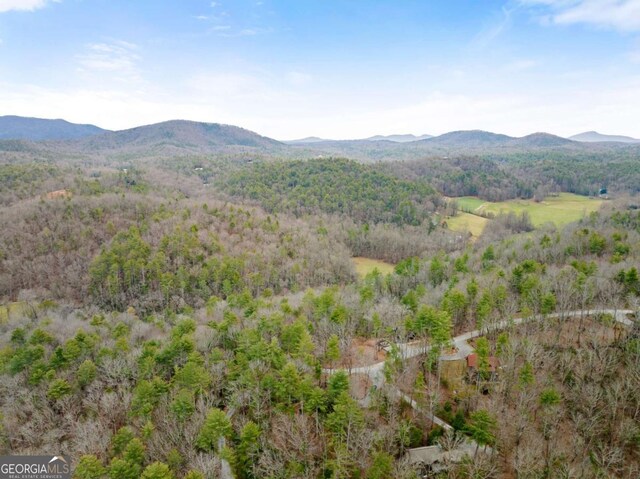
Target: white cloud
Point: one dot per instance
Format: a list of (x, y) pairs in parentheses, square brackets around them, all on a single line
[(492, 31), (226, 85), (228, 32), (117, 57), (23, 5), (612, 109), (108, 108), (261, 105), (269, 103), (623, 15)]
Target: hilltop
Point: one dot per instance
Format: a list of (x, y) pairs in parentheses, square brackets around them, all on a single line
[(181, 134), (594, 136), (468, 138), (399, 138), (36, 129)]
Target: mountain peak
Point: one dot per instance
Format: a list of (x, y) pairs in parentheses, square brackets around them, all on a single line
[(594, 136), (469, 138), (181, 134), (543, 139), (308, 139), (14, 127), (402, 138)]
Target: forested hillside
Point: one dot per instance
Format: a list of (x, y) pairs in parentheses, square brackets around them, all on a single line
[(20, 128), (198, 315), (333, 186)]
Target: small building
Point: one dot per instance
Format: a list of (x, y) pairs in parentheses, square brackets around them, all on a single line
[(472, 362), (473, 370)]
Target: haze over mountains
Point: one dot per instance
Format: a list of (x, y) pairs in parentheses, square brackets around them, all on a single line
[(309, 139), (467, 138), (393, 138), (182, 136), (594, 136), (399, 138), (21, 128)]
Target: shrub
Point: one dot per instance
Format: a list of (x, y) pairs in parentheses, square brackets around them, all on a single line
[(121, 440), (121, 469), (157, 470), (86, 373), (134, 452), (89, 467), (183, 405), (215, 426), (58, 389)]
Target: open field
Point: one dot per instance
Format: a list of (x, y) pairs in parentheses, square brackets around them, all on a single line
[(467, 222), (560, 210), (364, 266), (469, 203)]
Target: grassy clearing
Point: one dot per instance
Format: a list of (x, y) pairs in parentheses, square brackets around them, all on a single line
[(7, 310), (469, 203), (467, 222), (560, 210), (364, 266)]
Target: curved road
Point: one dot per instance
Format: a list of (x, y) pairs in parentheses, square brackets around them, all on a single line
[(463, 349), (410, 350)]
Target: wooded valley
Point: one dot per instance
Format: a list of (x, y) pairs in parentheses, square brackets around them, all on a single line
[(182, 301)]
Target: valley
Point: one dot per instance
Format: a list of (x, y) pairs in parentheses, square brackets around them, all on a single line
[(559, 209), (269, 239), (207, 301)]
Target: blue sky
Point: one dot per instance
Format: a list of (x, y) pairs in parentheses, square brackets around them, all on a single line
[(329, 68)]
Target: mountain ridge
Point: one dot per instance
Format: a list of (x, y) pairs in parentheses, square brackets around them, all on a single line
[(594, 136), (13, 127), (176, 137), (401, 138), (180, 134)]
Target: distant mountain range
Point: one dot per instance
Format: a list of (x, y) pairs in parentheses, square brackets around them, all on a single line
[(36, 129), (307, 140), (181, 136), (594, 136), (454, 139), (399, 138), (479, 139), (393, 138), (468, 138)]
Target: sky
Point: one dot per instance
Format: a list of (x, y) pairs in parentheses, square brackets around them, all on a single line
[(330, 68)]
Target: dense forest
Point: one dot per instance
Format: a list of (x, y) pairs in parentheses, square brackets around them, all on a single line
[(333, 186), (501, 177), (200, 315)]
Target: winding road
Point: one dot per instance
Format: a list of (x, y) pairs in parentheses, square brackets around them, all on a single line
[(460, 342), (375, 371)]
